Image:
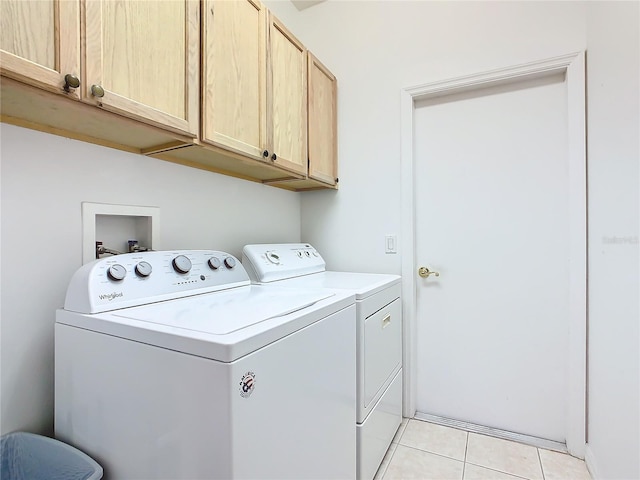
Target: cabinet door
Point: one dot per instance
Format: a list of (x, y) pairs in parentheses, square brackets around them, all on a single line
[(234, 76), (323, 132), (40, 42), (288, 105), (142, 60)]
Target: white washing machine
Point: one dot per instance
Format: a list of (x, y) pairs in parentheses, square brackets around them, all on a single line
[(378, 337), (172, 365)]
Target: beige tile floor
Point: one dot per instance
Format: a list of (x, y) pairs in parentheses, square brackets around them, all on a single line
[(426, 451)]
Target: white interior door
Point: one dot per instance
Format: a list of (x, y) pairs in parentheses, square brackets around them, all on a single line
[(492, 217)]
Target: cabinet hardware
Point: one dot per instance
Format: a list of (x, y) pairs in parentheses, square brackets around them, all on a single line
[(265, 154), (97, 91), (70, 81), (274, 157)]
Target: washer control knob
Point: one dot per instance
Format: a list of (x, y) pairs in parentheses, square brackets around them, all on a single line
[(143, 269), (273, 257), (307, 253), (116, 272), (214, 263), (181, 264), (230, 262), (299, 253)]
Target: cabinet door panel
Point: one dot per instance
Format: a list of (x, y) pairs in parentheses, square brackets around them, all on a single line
[(288, 98), (40, 42), (234, 76), (323, 142), (144, 54), (35, 40)]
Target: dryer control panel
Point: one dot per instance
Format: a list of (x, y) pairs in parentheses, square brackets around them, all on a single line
[(140, 278), (271, 262)]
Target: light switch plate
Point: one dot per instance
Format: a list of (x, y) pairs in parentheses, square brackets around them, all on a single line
[(391, 244)]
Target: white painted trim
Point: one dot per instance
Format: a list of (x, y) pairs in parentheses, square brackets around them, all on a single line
[(577, 355), (573, 67), (407, 237), (500, 76), (590, 461)]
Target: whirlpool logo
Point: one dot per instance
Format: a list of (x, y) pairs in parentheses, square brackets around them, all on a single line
[(247, 384), (111, 296)]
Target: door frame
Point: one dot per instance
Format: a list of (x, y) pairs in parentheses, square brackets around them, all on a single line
[(573, 66)]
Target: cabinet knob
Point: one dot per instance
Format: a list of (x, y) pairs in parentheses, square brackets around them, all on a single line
[(274, 157), (97, 91), (265, 154), (70, 81)]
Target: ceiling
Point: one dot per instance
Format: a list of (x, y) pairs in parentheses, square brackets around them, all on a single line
[(302, 4)]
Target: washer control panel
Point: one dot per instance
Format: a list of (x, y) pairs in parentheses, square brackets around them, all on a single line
[(139, 278), (270, 262)]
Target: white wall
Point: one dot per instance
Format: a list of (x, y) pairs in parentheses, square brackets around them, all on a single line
[(44, 180), (613, 73), (376, 48)]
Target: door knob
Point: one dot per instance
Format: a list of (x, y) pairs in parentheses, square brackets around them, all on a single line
[(424, 272)]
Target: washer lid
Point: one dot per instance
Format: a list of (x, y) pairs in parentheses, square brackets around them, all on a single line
[(361, 284), (225, 312), (223, 325)]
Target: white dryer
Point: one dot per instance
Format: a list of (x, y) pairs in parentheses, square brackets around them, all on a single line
[(378, 337), (172, 365)]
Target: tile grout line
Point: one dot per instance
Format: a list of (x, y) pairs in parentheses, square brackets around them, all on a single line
[(540, 462), (401, 430), (466, 449), (427, 451), (490, 468), (386, 467), (499, 471)]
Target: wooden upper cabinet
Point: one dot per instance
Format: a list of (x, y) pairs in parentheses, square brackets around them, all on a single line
[(254, 87), (141, 60), (288, 105), (190, 75), (234, 76), (40, 42), (323, 131)]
